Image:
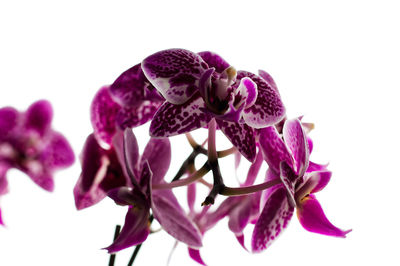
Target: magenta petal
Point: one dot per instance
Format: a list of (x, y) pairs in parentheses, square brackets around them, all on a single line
[(268, 78), (313, 219), (273, 148), (268, 108), (38, 116), (191, 196), (103, 112), (158, 155), (8, 121), (273, 219), (195, 255), (248, 90), (173, 119), (3, 179), (58, 153), (175, 73), (1, 219), (137, 115), (316, 167), (242, 137), (214, 60), (129, 88), (135, 230), (212, 218), (240, 239), (173, 219), (296, 140), (39, 174), (239, 217), (127, 196), (94, 169), (253, 170), (287, 177)]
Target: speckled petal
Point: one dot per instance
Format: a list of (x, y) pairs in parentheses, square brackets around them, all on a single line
[(173, 219), (130, 117), (135, 230), (173, 119), (195, 255), (273, 219), (313, 219), (8, 121), (273, 148), (58, 152), (268, 78), (268, 108), (248, 90), (175, 73), (214, 60), (103, 112), (129, 88), (242, 137), (296, 140), (158, 155), (38, 116)]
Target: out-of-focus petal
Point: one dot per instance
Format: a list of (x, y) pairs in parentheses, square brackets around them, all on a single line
[(214, 60), (8, 121), (173, 219), (136, 115), (313, 219), (158, 155), (38, 116), (135, 230), (239, 217), (195, 255), (273, 219), (268, 78), (173, 119), (39, 174), (3, 179), (127, 196), (212, 218), (296, 140), (316, 181), (129, 88), (242, 137), (268, 108), (310, 144), (58, 153), (175, 73), (103, 112), (1, 219), (253, 170), (273, 148), (191, 196)]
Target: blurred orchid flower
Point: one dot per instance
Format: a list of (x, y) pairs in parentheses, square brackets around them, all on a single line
[(29, 144)]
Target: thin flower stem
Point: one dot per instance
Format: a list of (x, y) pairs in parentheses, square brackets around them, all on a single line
[(183, 182), (228, 191), (112, 256), (224, 153), (191, 140)]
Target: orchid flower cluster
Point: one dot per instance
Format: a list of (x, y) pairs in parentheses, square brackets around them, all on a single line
[(179, 91)]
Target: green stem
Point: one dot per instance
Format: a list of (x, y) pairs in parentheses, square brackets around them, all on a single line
[(113, 256)]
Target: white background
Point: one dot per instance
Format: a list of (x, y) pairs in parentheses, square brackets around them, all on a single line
[(336, 62)]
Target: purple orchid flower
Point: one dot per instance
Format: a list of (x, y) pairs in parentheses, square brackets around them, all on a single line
[(199, 87), (29, 144), (145, 172), (288, 159), (129, 102)]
